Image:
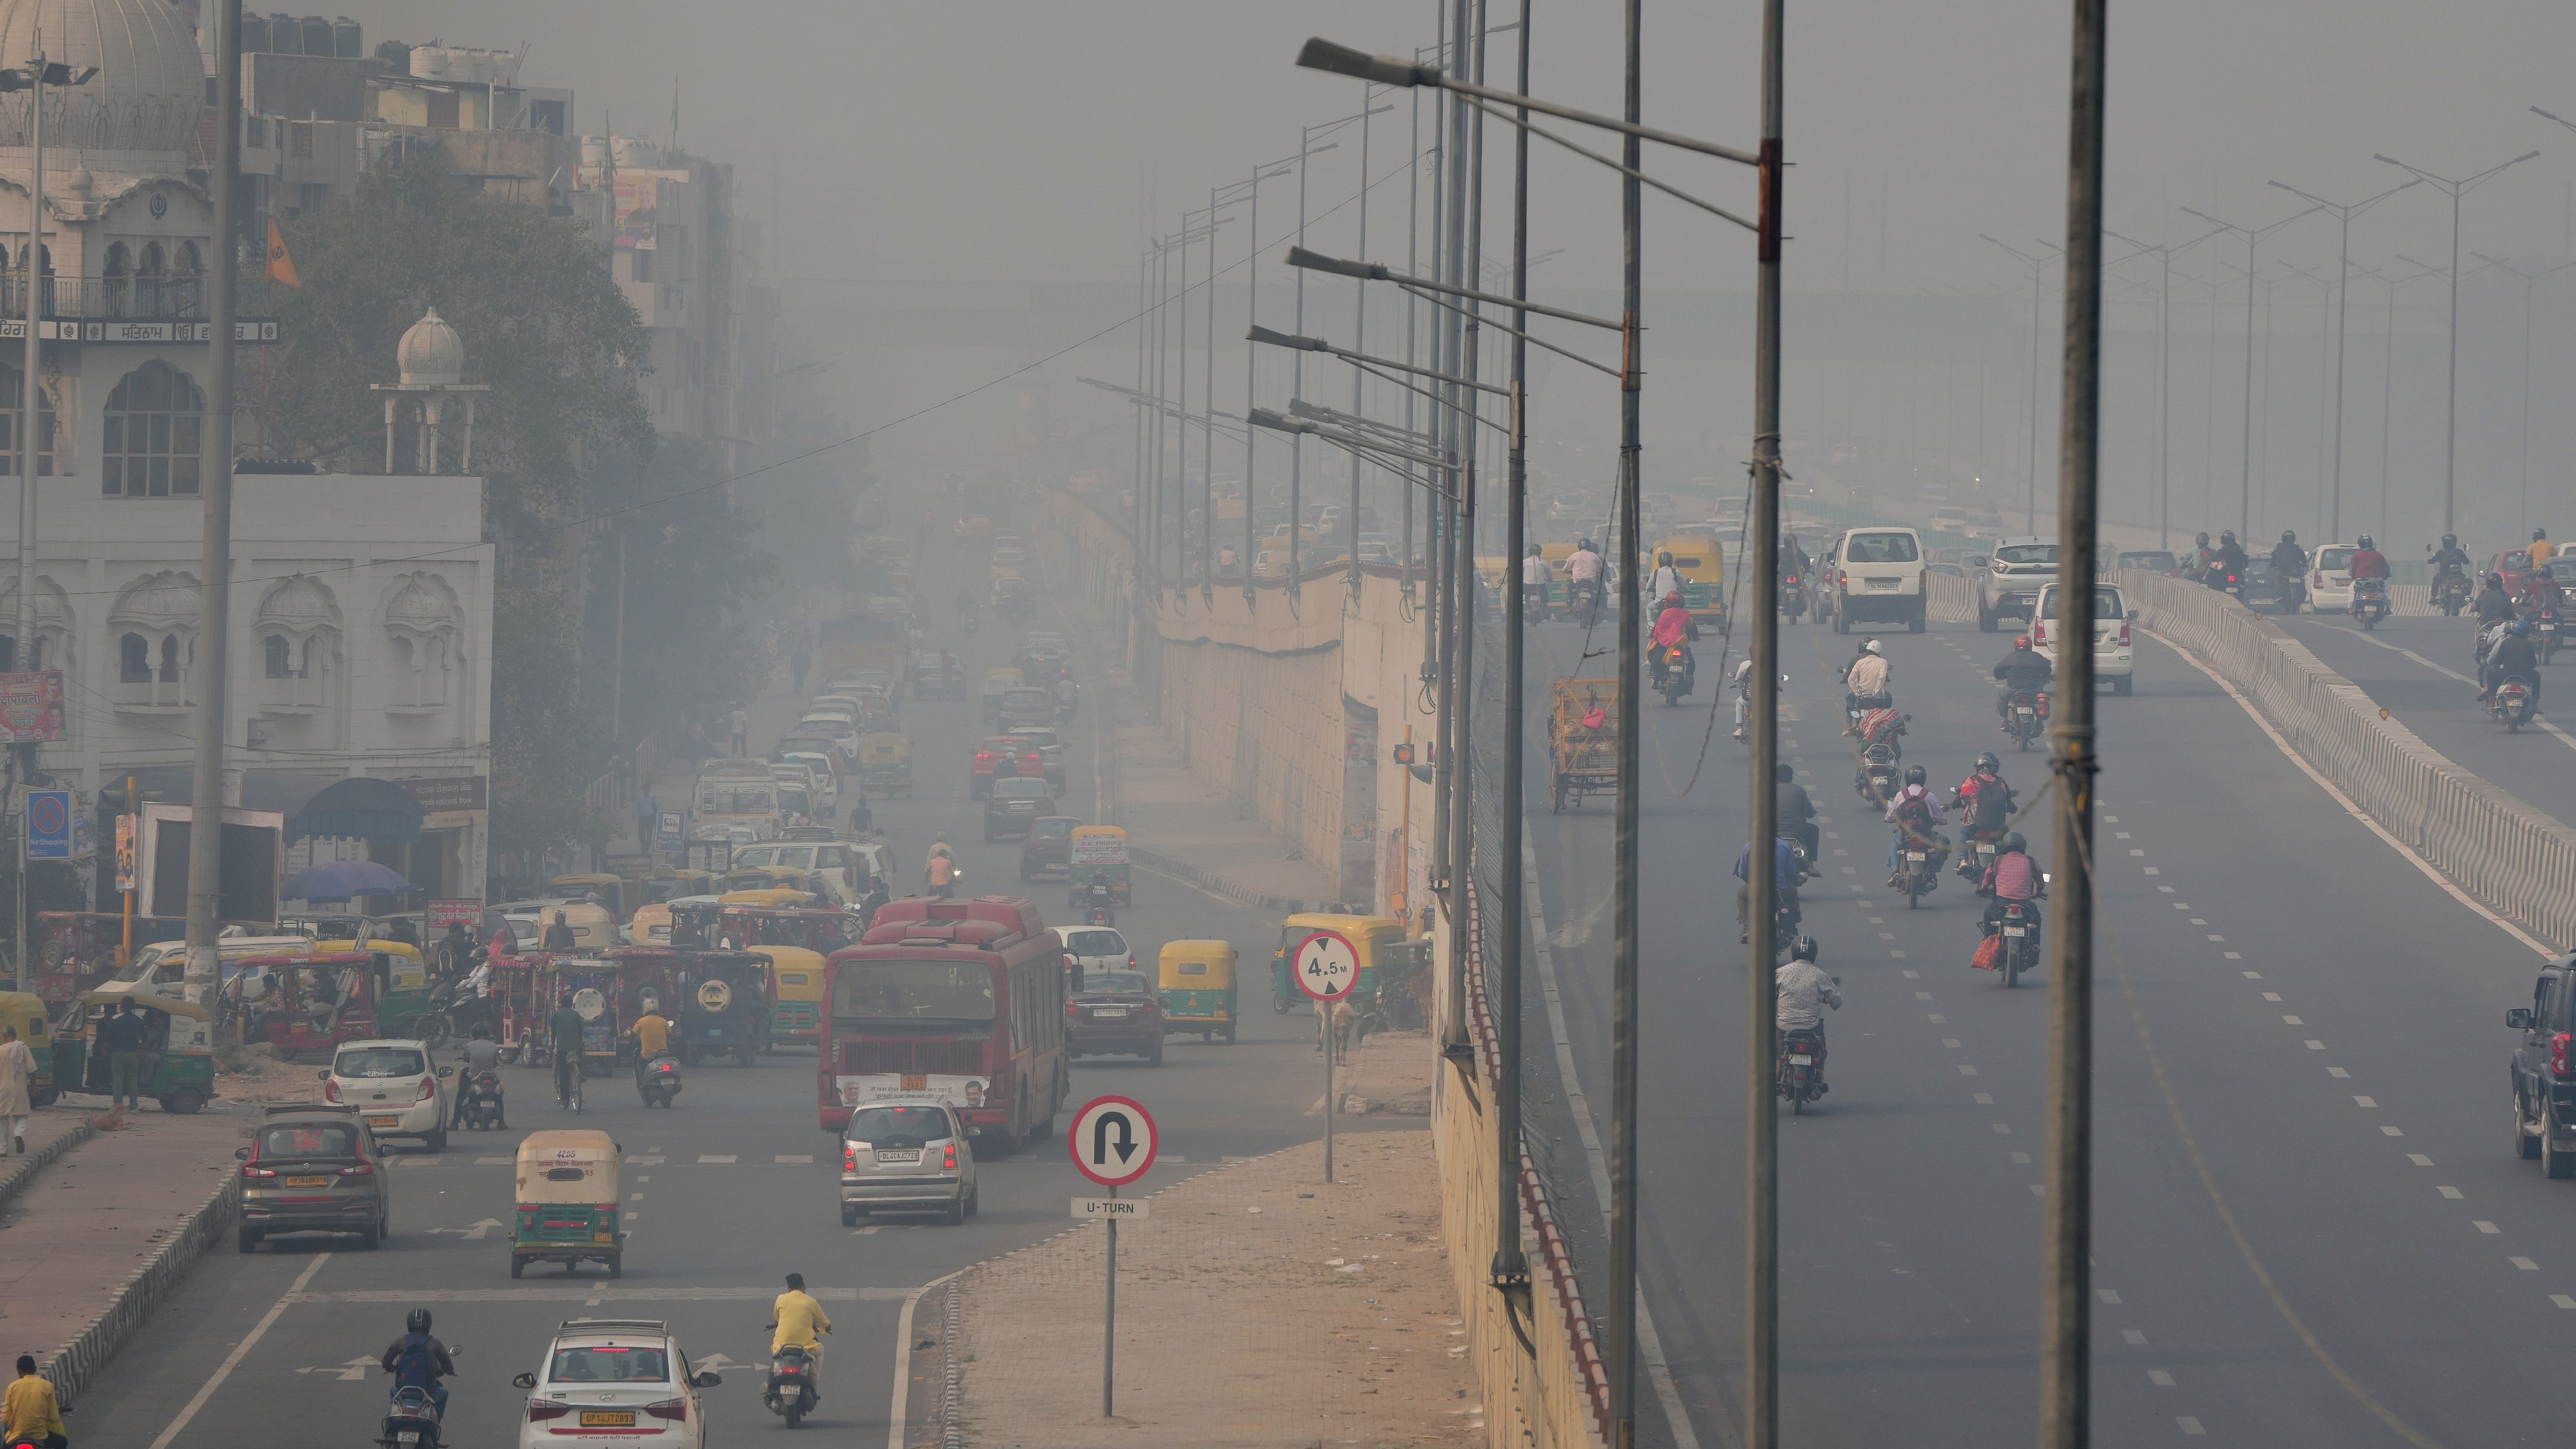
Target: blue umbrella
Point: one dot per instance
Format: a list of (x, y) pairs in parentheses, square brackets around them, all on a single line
[(343, 879)]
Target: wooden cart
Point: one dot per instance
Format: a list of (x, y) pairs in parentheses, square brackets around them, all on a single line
[(1583, 740)]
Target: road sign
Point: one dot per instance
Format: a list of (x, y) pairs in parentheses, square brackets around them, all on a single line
[(49, 824), (667, 829), (1126, 1209), (1112, 1141), (1328, 966)]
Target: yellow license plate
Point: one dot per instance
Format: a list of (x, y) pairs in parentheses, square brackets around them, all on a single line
[(308, 1182), (384, 1121), (607, 1418), (915, 1082)]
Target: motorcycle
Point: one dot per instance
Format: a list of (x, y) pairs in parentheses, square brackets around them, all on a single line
[(1675, 672), (1101, 916), (1799, 1074), (1921, 876), (2293, 590), (790, 1389), (2370, 601), (2511, 702), (2451, 591), (482, 1107), (1099, 896), (659, 1080), (1793, 597), (1977, 858), (1875, 780), (2019, 926), (2026, 717), (1583, 600), (2544, 632)]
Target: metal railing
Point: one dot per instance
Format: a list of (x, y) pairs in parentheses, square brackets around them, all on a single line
[(181, 298)]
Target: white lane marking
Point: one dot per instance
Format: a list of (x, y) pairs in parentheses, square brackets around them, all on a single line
[(1967, 1071), (2133, 1336), (2002, 1129), (2253, 975), (794, 1157), (2564, 738), (241, 1351), (2314, 1046), (2022, 1157), (2419, 1159), (1984, 1099), (1938, 1019), (2364, 1102), (2352, 809), (898, 1410), (2197, 921), (2489, 1229), (2160, 1378), (712, 1157), (2452, 1193), (2561, 1299), (2189, 1425), (2231, 955), (2151, 870), (1658, 1370), (2271, 996), (2107, 1295), (2337, 1072), (2525, 1264), (2292, 1021), (2387, 1131), (2216, 937)]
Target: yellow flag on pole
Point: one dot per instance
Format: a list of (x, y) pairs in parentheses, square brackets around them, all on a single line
[(281, 266)]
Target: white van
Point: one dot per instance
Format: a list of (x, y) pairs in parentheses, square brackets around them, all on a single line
[(2113, 658), (1878, 574)]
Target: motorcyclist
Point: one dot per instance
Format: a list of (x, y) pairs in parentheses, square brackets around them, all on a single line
[(2013, 877), (1797, 813), (1534, 577), (1800, 988), (801, 1323), (2024, 671), (2369, 563), (2230, 552), (30, 1414), (652, 1034), (1983, 800), (940, 870), (1583, 573), (1666, 579), (1916, 814), (2449, 558), (1784, 877), (419, 1360), (2542, 589), (1672, 626), (2493, 604), (1793, 559), (2202, 556), (1865, 679), (482, 1055), (564, 1028), (2511, 658), (2289, 562)]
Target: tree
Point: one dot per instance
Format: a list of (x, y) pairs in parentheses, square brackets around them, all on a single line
[(694, 579)]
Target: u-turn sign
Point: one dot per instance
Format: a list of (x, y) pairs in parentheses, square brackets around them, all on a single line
[(1112, 1141)]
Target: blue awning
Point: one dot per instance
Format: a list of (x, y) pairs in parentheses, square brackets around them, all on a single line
[(362, 808)]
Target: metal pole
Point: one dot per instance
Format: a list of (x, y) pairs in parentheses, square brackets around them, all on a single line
[(2343, 287), (1324, 1010), (1623, 968), (1453, 239), (1761, 1124), (1511, 1267), (1359, 337), (1109, 1319), (215, 564), (22, 655), (617, 658), (2387, 398), (1181, 422), (2038, 275), (1465, 403), (1251, 353), (2066, 1292), (2164, 402), (1297, 389), (2451, 413), (1413, 267), (2245, 465), (1207, 426)]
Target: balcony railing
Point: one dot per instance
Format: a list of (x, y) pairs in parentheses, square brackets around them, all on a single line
[(136, 298)]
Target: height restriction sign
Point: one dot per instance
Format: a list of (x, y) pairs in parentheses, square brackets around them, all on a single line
[(1112, 1141), (1328, 966)]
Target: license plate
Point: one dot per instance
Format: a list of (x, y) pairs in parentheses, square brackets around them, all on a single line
[(899, 1156), (1914, 855), (1985, 850), (384, 1121), (607, 1418), (2024, 711), (1802, 1061), (1115, 1012), (308, 1182), (1882, 583), (2012, 930)]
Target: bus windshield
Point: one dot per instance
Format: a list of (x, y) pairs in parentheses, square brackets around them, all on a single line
[(912, 991)]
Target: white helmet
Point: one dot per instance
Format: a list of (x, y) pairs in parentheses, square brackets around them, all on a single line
[(1872, 648)]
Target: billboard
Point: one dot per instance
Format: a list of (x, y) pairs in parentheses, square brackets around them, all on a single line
[(31, 707)]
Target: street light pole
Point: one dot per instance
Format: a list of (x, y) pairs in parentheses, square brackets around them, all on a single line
[(215, 561), (2451, 417), (2245, 473), (2038, 266), (1761, 1114), (2343, 276), (2164, 255), (1510, 1273), (2527, 279)]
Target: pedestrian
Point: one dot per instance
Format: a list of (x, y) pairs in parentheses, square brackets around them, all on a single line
[(121, 1037), (741, 732), (17, 1078), (29, 1413), (697, 745), (648, 813)]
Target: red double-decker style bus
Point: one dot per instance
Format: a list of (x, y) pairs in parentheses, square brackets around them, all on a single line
[(949, 1001)]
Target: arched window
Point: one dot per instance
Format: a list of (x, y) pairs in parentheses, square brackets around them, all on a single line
[(11, 399), (281, 658), (188, 280), (150, 445), (133, 660), (117, 281)]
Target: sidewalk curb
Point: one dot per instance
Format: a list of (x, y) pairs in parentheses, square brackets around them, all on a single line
[(1230, 889), (17, 1178), (77, 1363)]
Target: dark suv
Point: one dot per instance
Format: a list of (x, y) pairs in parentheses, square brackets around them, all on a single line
[(1049, 846), (314, 1169), (1015, 805), (2544, 1070)]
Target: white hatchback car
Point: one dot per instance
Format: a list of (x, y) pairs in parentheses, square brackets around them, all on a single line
[(394, 1087), (2330, 578), (1096, 948), (2112, 658), (620, 1379)]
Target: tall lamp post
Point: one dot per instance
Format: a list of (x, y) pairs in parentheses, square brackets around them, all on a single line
[(2164, 255), (2245, 467), (2038, 273), (2522, 506), (2388, 373), (215, 551), (2344, 213), (2451, 415)]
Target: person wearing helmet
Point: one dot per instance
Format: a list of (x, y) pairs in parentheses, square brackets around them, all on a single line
[(2013, 877), (1985, 805), (2493, 605), (1666, 579), (2369, 563), (1673, 630), (1796, 813), (2511, 657), (2024, 671), (1534, 576), (2541, 590), (418, 1360), (1865, 683), (1583, 578), (2290, 569), (1916, 813), (1800, 992)]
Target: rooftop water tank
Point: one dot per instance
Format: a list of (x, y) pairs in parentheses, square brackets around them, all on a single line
[(316, 35), (348, 38), (505, 67), (594, 151), (635, 151), (429, 62), (285, 35), (254, 31)]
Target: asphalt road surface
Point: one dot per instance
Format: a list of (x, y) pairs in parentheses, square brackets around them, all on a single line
[(2311, 1228), (727, 1193)]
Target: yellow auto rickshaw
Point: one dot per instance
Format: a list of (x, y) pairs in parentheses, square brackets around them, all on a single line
[(760, 878), (1196, 988), (885, 763), (567, 1195), (25, 1010), (776, 898), (1388, 955), (662, 885), (593, 929), (610, 889)]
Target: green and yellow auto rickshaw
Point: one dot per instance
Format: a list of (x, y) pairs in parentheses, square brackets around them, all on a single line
[(1196, 989), (1098, 874), (178, 1065), (25, 1010), (567, 1202), (1388, 956)]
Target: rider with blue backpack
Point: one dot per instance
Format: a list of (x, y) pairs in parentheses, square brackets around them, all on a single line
[(418, 1360)]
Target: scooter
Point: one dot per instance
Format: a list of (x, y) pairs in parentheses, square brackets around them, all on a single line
[(1875, 780), (482, 1108), (659, 1081), (1675, 672), (2511, 702), (2451, 592), (789, 1391), (2370, 601), (411, 1420), (2026, 717), (1922, 877), (1800, 1073)]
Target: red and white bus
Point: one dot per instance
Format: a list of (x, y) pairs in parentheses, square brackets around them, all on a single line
[(951, 1001)]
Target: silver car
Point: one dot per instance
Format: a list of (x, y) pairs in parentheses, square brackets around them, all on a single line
[(906, 1157)]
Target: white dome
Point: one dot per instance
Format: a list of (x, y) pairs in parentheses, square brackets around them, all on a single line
[(430, 354), (424, 604), (158, 601), (150, 90)]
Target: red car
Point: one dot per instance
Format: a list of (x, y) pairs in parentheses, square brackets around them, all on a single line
[(1049, 846), (2515, 565), (1115, 1014), (1002, 756)]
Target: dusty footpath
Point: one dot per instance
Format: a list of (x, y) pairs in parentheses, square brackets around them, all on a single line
[(1257, 1306)]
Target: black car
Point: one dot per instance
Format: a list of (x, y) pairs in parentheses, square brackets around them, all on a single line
[(1015, 805), (2544, 1075), (1115, 1013), (2262, 586)]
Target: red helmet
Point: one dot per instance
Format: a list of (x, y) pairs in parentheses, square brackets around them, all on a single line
[(2021, 641), (1673, 600)]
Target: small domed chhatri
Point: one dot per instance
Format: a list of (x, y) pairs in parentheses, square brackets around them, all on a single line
[(430, 353)]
